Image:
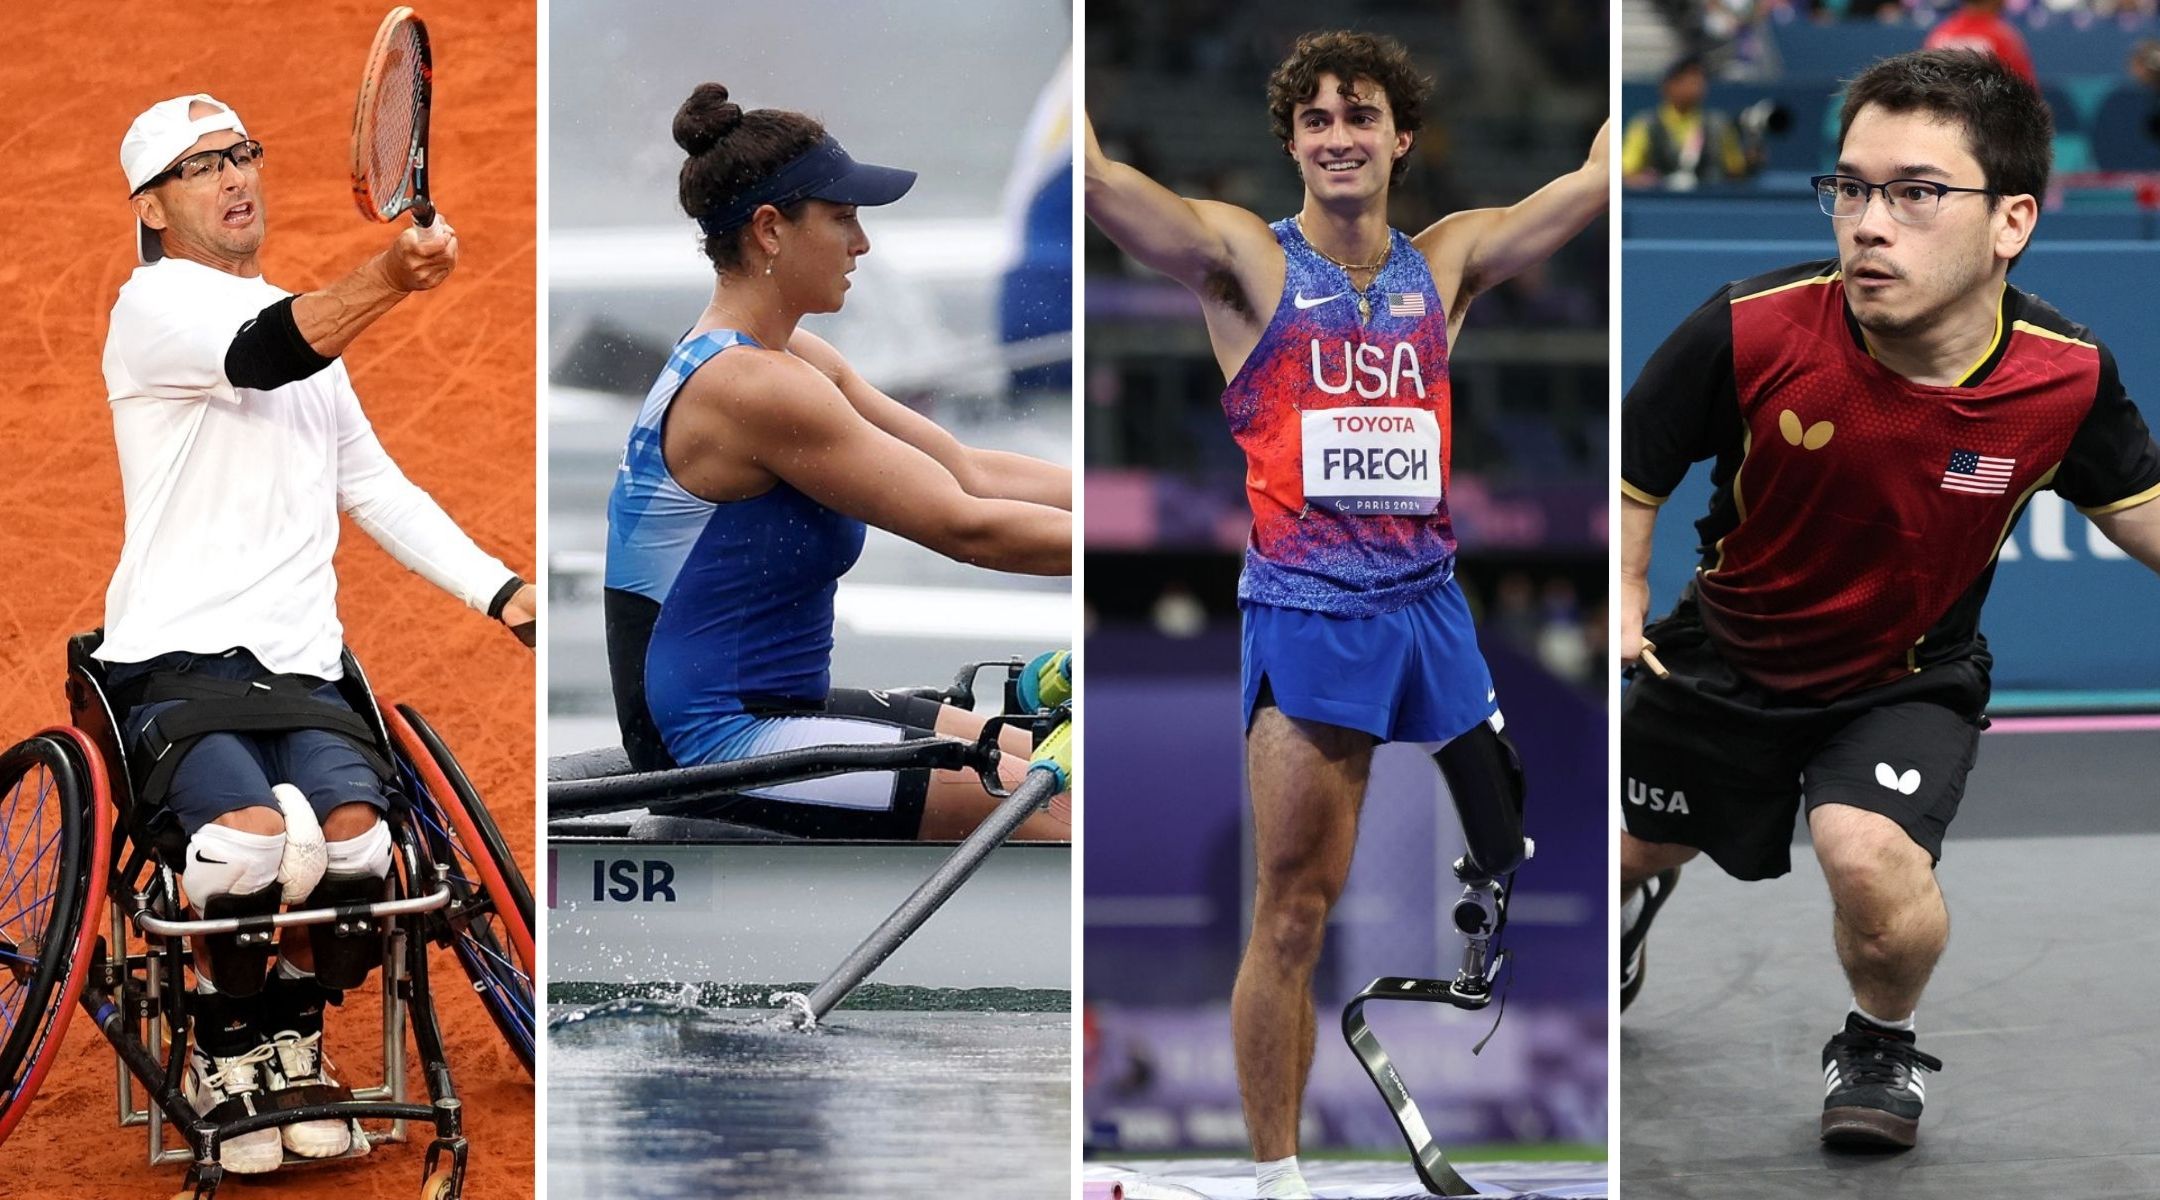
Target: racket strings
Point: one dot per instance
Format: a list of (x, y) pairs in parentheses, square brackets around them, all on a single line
[(391, 120)]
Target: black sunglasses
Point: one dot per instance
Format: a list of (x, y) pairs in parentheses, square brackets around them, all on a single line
[(245, 155)]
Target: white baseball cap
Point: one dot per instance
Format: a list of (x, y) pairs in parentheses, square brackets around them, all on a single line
[(159, 136)]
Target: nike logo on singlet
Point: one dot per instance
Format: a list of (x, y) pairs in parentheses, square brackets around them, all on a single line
[(1300, 300)]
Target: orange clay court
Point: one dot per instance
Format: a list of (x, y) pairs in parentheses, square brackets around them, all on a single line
[(446, 378)]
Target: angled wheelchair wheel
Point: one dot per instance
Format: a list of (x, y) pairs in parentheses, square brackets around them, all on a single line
[(54, 846), (489, 928)]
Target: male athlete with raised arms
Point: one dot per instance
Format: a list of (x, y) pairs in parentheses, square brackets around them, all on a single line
[(1333, 331), (1879, 421)]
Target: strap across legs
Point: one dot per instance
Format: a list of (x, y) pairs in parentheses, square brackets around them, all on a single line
[(276, 704)]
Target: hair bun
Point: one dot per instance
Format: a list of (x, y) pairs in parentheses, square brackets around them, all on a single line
[(705, 118)]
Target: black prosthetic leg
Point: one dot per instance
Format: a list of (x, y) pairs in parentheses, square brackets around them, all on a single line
[(1484, 777)]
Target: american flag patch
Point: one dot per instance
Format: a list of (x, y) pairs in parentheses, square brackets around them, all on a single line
[(1406, 304), (1978, 473)]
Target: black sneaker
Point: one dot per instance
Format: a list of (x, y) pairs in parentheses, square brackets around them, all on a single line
[(1874, 1084), (1654, 891)]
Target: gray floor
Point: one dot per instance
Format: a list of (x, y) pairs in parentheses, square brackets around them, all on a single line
[(2042, 1010), (1232, 1179)]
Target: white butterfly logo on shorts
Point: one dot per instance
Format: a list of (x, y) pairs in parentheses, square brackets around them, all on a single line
[(1887, 775)]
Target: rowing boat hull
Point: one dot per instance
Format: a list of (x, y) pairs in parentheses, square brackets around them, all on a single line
[(626, 911)]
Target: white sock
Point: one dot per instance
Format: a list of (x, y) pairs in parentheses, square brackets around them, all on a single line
[(287, 970), (1631, 911), (1904, 1026), (204, 986), (1281, 1180)]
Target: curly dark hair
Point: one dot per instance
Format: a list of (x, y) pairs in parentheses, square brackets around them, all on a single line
[(1350, 57), (2008, 129), (730, 151)]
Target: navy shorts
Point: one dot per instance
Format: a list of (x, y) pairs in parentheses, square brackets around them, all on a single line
[(1412, 675), (227, 772), (1710, 759)]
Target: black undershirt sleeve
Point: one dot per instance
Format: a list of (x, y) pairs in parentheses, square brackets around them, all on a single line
[(1681, 402), (269, 352), (2111, 456)]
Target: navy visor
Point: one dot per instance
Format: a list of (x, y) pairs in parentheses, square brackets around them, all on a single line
[(823, 172)]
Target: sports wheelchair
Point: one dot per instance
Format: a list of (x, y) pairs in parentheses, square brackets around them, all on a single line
[(73, 835)]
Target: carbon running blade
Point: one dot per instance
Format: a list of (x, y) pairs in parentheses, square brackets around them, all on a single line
[(1433, 1168)]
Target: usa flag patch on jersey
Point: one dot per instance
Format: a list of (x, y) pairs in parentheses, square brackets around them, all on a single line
[(1405, 304), (1980, 474)]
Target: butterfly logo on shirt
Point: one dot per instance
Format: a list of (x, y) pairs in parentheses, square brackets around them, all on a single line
[(1813, 437)]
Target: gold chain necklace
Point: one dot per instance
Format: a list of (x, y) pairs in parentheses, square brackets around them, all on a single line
[(1374, 265), (1364, 302)]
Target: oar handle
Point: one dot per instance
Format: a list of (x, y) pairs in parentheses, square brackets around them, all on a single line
[(1034, 792)]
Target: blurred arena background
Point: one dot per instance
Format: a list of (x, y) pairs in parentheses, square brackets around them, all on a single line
[(2063, 777), (1179, 91), (962, 308), (2056, 617)]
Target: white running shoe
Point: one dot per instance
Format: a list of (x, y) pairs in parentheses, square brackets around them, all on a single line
[(212, 1080), (299, 1062)]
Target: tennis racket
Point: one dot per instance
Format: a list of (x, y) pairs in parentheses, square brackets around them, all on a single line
[(390, 123)]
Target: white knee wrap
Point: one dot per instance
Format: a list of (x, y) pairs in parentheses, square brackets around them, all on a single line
[(368, 854), (305, 857), (223, 861)]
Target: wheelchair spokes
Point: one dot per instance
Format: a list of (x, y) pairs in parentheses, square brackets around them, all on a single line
[(52, 850), (489, 925)]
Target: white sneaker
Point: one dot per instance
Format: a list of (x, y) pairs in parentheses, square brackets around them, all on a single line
[(212, 1080), (299, 1062)]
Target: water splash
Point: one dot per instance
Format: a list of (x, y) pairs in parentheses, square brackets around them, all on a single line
[(795, 1012), (622, 1007)]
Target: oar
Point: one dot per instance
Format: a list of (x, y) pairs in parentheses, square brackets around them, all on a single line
[(1035, 791)]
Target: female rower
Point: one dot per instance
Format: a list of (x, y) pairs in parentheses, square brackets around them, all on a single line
[(756, 461)]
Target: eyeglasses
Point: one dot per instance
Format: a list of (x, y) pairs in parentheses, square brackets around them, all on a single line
[(247, 156), (1911, 201)]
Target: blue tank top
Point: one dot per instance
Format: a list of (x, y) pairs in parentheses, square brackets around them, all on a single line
[(712, 604), (1343, 411)]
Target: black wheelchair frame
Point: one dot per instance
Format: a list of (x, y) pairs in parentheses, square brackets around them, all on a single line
[(453, 883)]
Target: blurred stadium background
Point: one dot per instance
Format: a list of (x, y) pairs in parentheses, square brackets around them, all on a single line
[(962, 308), (2056, 616), (1179, 91)]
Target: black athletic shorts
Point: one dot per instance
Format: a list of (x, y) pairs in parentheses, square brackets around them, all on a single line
[(1710, 759)]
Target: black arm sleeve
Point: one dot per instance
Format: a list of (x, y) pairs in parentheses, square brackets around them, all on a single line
[(502, 597), (1681, 402), (269, 352), (2111, 457)]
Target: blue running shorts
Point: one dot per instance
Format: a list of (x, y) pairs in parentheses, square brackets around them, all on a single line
[(1411, 675)]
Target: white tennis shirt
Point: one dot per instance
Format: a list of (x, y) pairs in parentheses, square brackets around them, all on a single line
[(233, 494)]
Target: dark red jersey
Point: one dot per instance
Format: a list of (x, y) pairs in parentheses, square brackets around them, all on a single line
[(1857, 514)]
